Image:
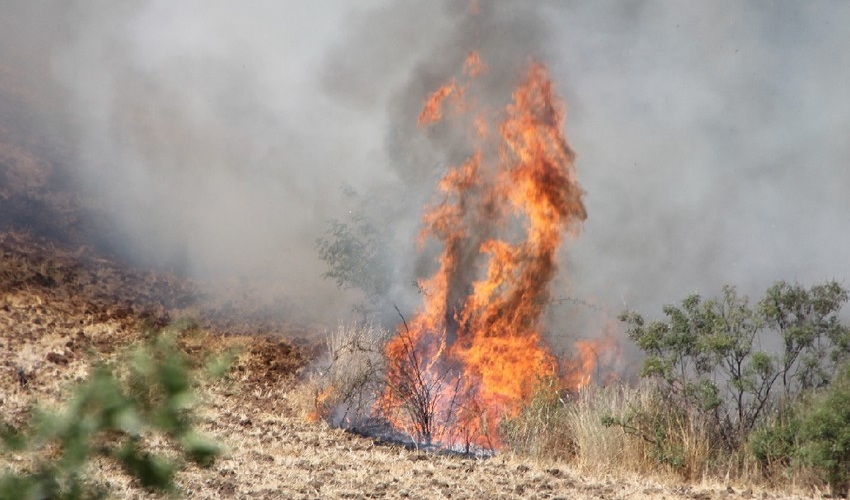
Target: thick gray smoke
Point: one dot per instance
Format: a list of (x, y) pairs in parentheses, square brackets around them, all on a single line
[(712, 142), (711, 136)]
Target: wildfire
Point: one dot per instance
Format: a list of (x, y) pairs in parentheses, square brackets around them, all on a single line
[(474, 351)]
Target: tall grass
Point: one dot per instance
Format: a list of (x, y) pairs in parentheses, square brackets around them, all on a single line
[(615, 429), (633, 430), (540, 428), (343, 384)]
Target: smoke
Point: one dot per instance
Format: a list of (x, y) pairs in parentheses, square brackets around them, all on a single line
[(200, 132), (711, 145), (215, 136)]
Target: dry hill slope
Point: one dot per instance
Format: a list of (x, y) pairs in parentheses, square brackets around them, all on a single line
[(57, 306)]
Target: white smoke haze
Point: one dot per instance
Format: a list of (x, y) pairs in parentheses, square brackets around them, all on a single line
[(711, 136)]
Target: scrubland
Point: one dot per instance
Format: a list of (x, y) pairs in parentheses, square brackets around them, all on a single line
[(61, 310)]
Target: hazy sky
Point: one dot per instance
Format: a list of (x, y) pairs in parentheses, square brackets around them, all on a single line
[(713, 138)]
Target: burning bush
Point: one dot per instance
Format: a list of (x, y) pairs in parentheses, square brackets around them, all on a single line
[(474, 350)]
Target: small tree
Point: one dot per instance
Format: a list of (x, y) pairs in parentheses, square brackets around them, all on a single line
[(749, 374), (356, 251), (676, 353), (814, 340), (709, 355)]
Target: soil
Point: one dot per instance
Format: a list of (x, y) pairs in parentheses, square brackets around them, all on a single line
[(60, 308)]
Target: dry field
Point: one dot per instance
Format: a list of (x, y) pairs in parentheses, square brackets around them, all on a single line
[(58, 307)]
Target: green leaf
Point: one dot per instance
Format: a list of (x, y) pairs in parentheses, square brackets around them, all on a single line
[(201, 449), (153, 472)]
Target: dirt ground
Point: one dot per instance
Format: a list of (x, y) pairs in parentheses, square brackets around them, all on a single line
[(58, 307)]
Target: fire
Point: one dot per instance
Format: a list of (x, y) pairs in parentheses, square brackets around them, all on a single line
[(432, 112), (451, 92), (591, 355), (474, 351)]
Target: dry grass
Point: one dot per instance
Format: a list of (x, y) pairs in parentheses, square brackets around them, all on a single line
[(52, 329), (342, 383), (655, 439), (600, 448), (627, 431)]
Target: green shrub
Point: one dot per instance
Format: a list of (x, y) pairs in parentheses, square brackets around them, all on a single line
[(774, 444), (824, 435), (109, 415), (708, 359), (356, 251)]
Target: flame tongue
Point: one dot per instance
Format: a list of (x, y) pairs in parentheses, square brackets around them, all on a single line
[(474, 351)]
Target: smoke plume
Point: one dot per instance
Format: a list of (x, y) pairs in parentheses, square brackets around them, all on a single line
[(213, 137)]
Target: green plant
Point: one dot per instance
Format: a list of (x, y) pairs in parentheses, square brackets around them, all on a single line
[(111, 414), (708, 355), (740, 372), (356, 251), (824, 435), (774, 444), (814, 340)]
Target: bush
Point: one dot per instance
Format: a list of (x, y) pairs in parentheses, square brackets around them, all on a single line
[(824, 435), (707, 355), (363, 386), (110, 415), (774, 444)]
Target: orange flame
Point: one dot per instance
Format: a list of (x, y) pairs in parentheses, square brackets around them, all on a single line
[(474, 351), (592, 357), (432, 112)]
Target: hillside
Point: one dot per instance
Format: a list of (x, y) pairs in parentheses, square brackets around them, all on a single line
[(60, 309), (67, 300)]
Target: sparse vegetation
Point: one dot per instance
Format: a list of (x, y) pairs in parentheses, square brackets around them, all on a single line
[(121, 405), (346, 381), (730, 390), (356, 251), (50, 332)]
